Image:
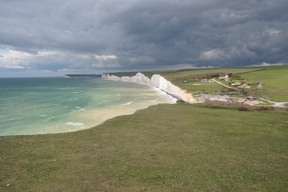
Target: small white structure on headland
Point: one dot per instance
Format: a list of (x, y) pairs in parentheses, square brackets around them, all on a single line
[(245, 85), (225, 78), (156, 81)]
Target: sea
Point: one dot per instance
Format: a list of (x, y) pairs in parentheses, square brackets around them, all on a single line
[(30, 106)]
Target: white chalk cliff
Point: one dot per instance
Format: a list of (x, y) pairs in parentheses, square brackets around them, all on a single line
[(156, 81)]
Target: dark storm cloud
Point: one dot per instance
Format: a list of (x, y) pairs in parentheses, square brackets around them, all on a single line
[(214, 33), (109, 34)]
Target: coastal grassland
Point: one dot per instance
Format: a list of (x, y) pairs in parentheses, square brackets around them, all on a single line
[(191, 80), (200, 73), (275, 79), (275, 76), (179, 147)]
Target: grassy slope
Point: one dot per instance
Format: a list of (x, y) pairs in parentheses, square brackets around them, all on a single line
[(164, 148), (275, 78), (174, 76), (182, 79)]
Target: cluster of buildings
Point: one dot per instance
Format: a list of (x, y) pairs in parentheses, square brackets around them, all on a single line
[(240, 84)]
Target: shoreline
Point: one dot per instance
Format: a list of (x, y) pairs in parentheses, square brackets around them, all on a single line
[(159, 82), (160, 85), (128, 111), (98, 115)]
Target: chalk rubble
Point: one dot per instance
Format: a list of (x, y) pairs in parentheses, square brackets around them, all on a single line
[(156, 81)]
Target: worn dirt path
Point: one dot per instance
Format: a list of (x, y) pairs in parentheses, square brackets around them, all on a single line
[(276, 104)]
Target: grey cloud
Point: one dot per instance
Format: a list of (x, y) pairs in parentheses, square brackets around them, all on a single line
[(143, 34), (236, 28)]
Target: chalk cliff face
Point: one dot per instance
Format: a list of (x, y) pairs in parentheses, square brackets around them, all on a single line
[(156, 81)]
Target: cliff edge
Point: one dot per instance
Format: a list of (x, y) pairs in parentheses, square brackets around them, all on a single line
[(156, 81)]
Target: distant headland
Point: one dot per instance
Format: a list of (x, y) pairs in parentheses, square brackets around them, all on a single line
[(82, 76)]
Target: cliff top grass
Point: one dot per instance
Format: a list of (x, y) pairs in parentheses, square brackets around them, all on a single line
[(179, 147), (191, 80), (275, 77), (275, 80)]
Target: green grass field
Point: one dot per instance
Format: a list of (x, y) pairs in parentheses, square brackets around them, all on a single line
[(275, 79), (187, 78), (177, 147)]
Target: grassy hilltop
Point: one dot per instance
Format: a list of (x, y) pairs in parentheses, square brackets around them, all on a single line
[(275, 86), (179, 147)]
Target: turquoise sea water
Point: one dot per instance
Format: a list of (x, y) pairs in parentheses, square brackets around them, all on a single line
[(54, 105)]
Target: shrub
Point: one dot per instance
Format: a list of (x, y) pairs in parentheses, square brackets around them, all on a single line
[(264, 108), (240, 106), (243, 109)]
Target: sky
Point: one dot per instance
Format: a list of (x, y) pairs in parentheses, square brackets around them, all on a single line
[(52, 37)]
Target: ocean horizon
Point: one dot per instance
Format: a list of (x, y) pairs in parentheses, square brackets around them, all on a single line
[(49, 105)]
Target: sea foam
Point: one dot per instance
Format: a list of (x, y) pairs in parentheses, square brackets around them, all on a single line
[(75, 124)]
